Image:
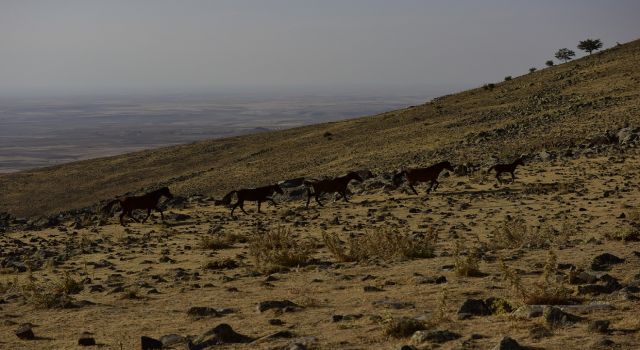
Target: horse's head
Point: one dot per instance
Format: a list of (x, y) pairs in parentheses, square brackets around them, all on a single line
[(397, 178), (355, 176), (447, 165), (277, 189), (519, 161), (165, 192)]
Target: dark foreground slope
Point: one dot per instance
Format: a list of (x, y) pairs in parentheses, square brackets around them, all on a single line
[(554, 108)]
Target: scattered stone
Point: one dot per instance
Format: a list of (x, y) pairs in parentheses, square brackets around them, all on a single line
[(554, 316), (602, 344), (203, 311), (604, 261), (276, 322), (508, 343), (25, 332), (282, 305), (392, 304), (600, 326), (473, 307), (148, 343), (221, 334), (172, 339), (439, 337), (86, 339), (372, 289)]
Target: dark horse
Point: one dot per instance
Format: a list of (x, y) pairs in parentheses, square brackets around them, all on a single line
[(507, 168), (416, 175), (259, 194), (147, 201), (336, 185)]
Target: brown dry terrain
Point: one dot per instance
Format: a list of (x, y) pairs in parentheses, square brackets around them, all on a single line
[(549, 261)]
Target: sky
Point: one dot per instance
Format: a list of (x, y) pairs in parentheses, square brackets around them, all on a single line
[(171, 46)]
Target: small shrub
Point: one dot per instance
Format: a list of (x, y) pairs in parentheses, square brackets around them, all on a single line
[(532, 69), (218, 241), (278, 248), (507, 78), (549, 63), (466, 265), (382, 243), (131, 293), (52, 294), (547, 291), (625, 234), (515, 233)]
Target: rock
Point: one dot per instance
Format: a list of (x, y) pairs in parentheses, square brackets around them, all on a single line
[(508, 343), (372, 289), (86, 339), (473, 307), (25, 332), (172, 339), (282, 305), (439, 337), (276, 322), (221, 334), (392, 304), (604, 261), (600, 326), (528, 311), (554, 316), (203, 311), (603, 344), (539, 331), (148, 343)]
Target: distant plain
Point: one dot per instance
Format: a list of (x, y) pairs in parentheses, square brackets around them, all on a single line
[(39, 132)]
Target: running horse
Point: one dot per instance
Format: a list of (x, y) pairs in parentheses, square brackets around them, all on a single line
[(147, 201), (258, 194), (429, 174), (507, 168), (335, 185)]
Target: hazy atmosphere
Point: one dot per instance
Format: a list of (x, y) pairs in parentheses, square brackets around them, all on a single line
[(180, 46)]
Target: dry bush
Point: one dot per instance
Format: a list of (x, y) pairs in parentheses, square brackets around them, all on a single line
[(402, 327), (625, 234), (467, 265), (547, 291), (278, 248), (383, 243), (131, 293), (515, 233), (51, 294)]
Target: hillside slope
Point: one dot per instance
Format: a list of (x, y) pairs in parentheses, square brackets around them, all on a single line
[(553, 108)]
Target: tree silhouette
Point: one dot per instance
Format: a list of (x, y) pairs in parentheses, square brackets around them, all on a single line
[(549, 63), (532, 69), (590, 45), (565, 54)]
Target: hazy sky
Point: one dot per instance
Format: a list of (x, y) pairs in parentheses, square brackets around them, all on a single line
[(173, 46)]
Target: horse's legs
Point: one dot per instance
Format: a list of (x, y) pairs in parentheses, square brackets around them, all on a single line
[(272, 202), (412, 188), (513, 177), (308, 197), (259, 202), (242, 206), (234, 207), (431, 186), (498, 177), (148, 214), (130, 214), (122, 218), (317, 196), (161, 214), (437, 184), (344, 195)]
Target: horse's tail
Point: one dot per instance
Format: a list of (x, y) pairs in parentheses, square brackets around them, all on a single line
[(107, 208), (226, 200)]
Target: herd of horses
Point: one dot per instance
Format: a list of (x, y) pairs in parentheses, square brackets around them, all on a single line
[(315, 188)]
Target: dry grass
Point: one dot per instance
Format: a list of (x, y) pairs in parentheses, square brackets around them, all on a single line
[(514, 232), (383, 243), (279, 248), (549, 290), (467, 264), (51, 294)]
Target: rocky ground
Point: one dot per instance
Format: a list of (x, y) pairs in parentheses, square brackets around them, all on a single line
[(474, 265)]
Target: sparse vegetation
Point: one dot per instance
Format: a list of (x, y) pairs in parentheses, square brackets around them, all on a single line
[(279, 248), (549, 290), (507, 78), (402, 327), (549, 63), (382, 243), (564, 54), (627, 233), (590, 45), (467, 264), (532, 69), (51, 294)]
